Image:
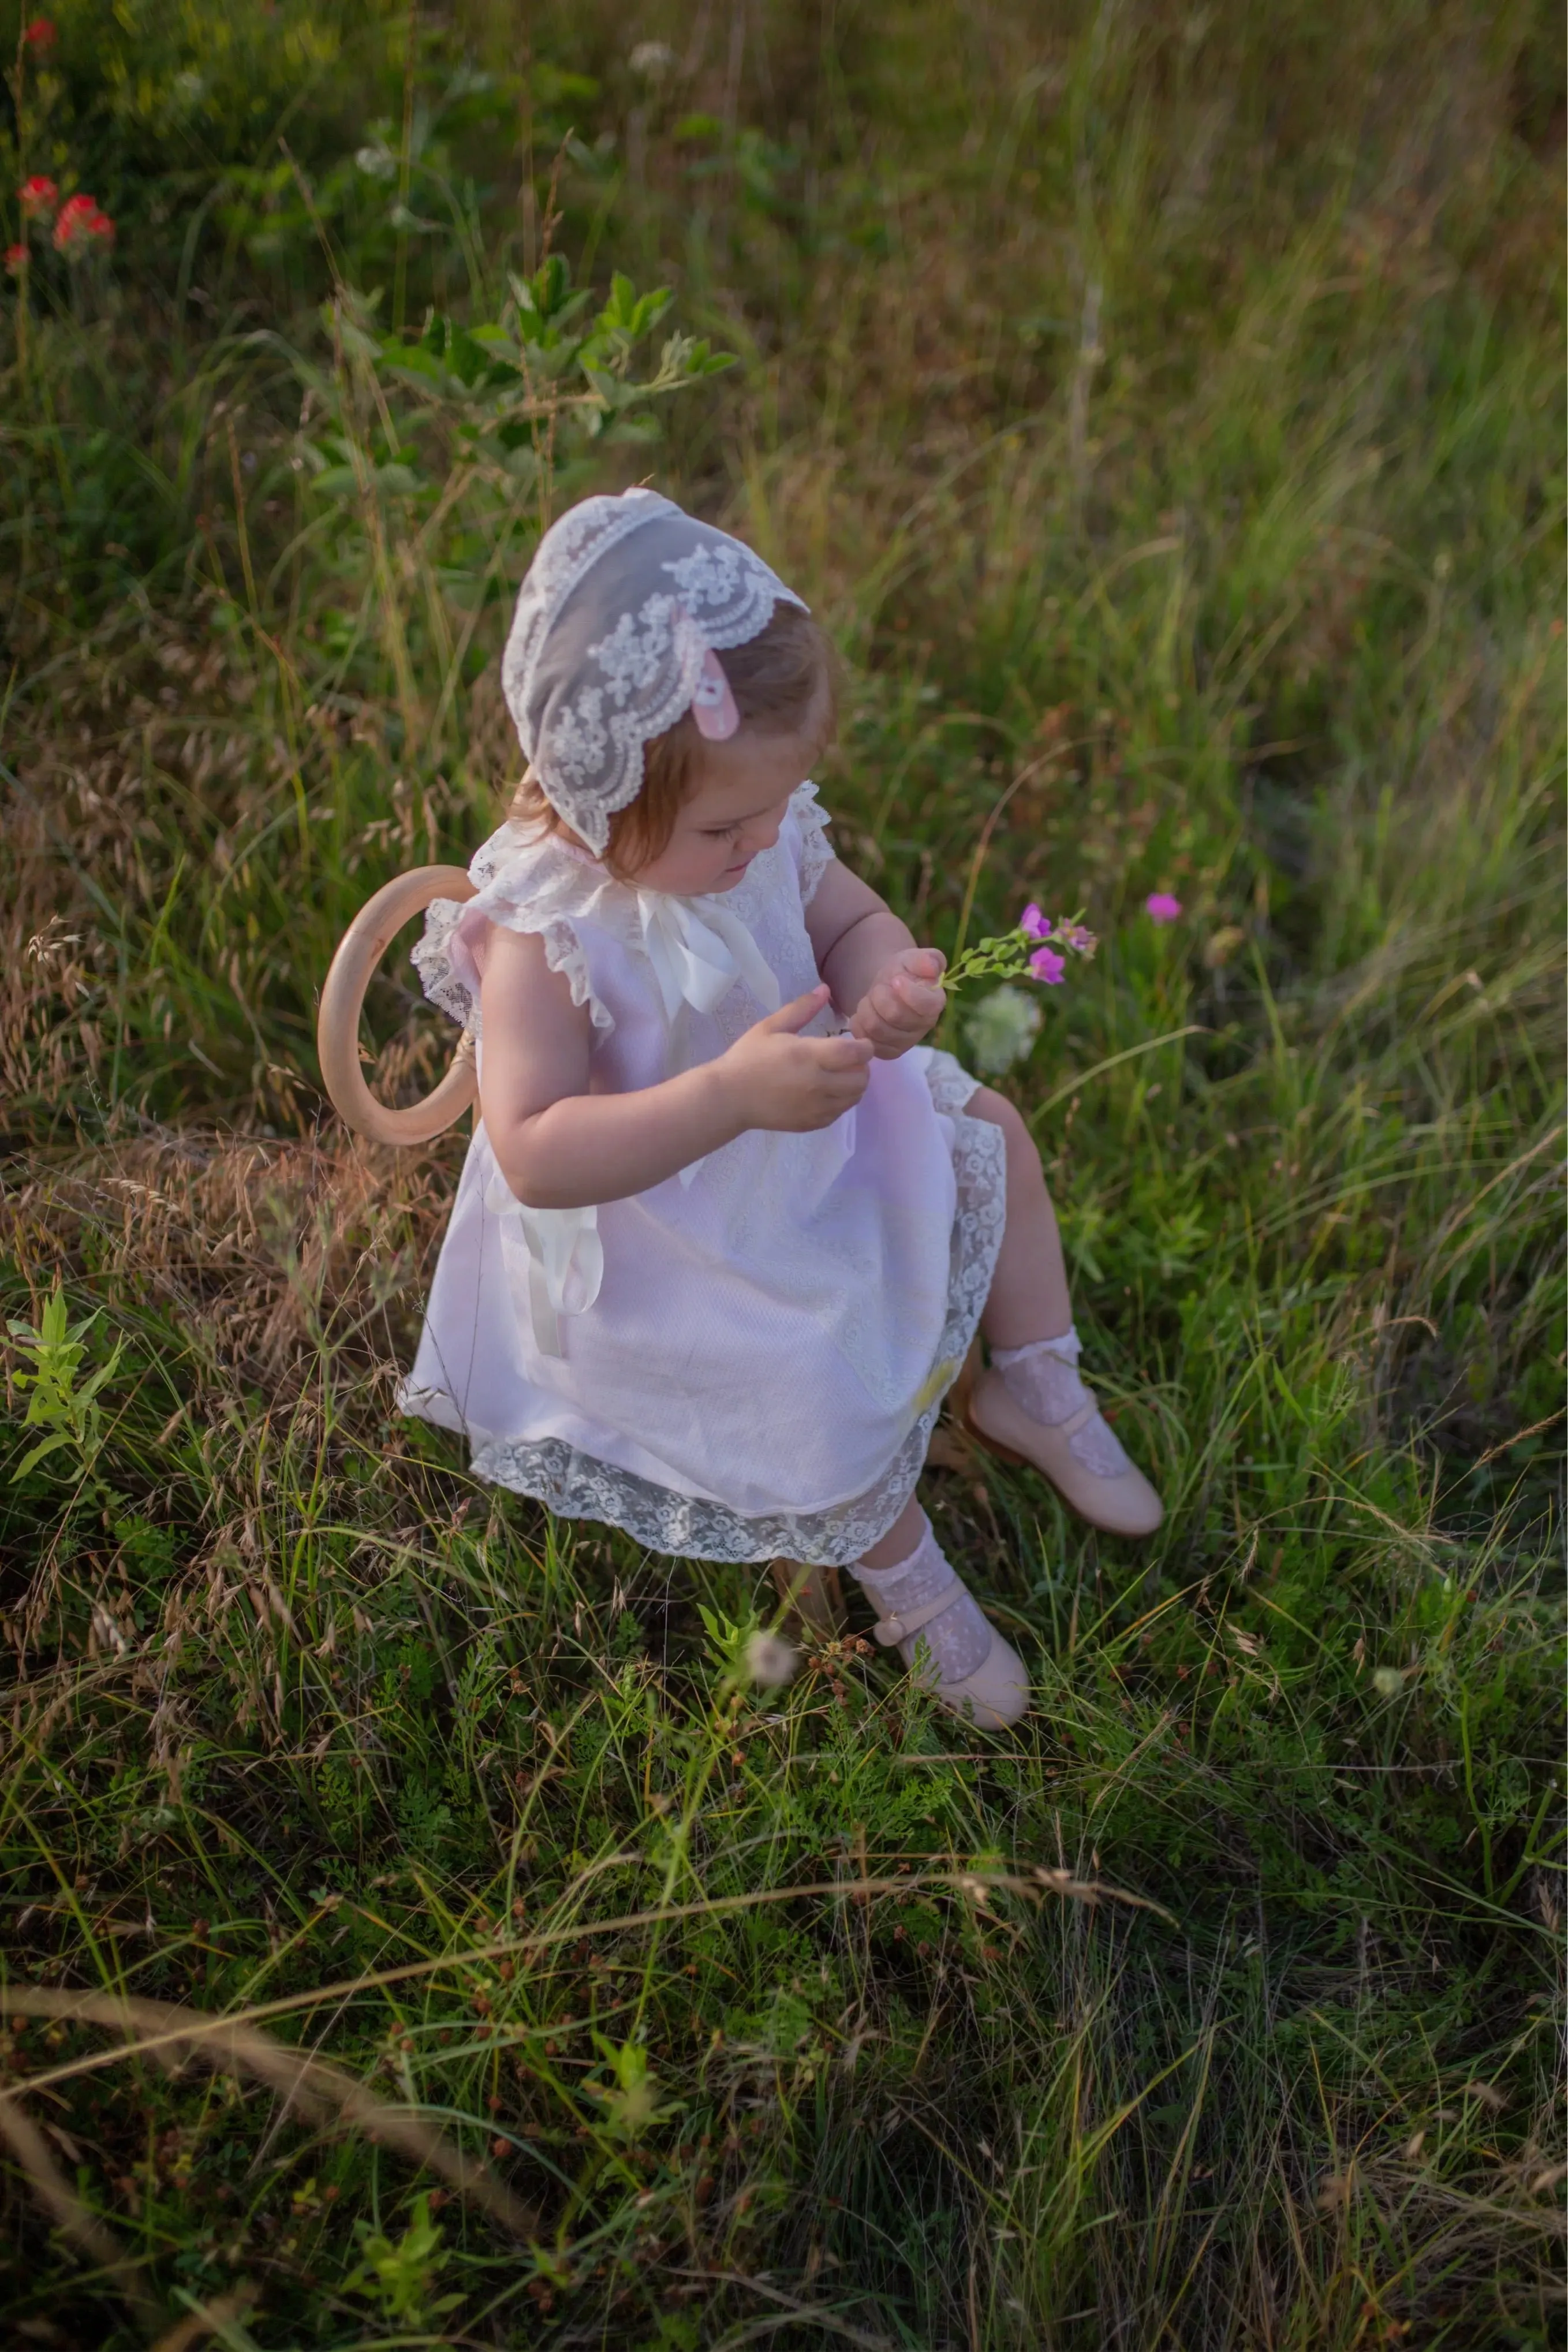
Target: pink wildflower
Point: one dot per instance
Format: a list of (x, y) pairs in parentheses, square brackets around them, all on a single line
[(1161, 908), (38, 196), (40, 34), (15, 259), (1082, 940), (1047, 965), (1037, 925)]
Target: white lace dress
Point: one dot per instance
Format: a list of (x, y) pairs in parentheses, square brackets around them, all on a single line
[(744, 1361)]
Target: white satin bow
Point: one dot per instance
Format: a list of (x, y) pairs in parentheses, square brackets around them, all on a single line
[(554, 1257), (697, 956), (698, 950)]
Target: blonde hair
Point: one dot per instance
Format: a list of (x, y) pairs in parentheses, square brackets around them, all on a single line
[(776, 679)]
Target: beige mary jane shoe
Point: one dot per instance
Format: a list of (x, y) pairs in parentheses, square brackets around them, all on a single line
[(994, 1695), (1125, 1504)]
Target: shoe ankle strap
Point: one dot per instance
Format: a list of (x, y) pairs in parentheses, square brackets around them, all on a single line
[(905, 1622), (1077, 1421)]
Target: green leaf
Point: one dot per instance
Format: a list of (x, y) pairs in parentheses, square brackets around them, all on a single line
[(550, 285), (415, 361), (85, 1394), (46, 1445), (356, 343), (607, 387), (465, 357), (634, 433), (633, 2107), (552, 86)]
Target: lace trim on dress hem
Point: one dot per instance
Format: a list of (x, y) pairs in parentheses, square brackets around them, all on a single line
[(578, 1487)]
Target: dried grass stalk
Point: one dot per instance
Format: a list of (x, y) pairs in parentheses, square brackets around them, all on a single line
[(319, 2093)]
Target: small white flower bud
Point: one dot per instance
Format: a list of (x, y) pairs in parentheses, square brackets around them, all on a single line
[(770, 1659), (652, 60), (1001, 1029)]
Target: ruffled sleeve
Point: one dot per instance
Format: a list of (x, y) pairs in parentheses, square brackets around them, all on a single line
[(524, 887), (814, 853)]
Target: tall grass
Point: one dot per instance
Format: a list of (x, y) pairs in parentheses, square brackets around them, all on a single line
[(1165, 411)]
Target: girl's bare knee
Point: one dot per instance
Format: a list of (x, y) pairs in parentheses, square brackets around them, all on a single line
[(1023, 1154), (985, 1103)]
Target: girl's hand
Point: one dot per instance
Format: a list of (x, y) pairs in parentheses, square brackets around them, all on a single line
[(902, 1003), (776, 1079)]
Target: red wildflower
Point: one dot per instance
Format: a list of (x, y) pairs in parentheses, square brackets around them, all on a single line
[(75, 213), (80, 220), (40, 34), (38, 196), (15, 259)]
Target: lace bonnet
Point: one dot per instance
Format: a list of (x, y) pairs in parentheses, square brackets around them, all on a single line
[(624, 608)]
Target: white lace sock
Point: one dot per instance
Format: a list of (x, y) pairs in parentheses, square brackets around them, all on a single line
[(960, 1639), (1042, 1380)]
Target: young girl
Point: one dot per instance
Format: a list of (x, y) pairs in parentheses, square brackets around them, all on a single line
[(726, 1227)]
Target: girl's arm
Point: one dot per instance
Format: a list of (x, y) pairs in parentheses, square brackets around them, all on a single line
[(882, 983), (558, 1146)]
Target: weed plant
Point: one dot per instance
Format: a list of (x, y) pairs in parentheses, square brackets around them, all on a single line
[(419, 1927)]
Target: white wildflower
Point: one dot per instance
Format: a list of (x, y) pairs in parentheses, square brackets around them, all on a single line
[(770, 1661), (652, 60), (1001, 1029)]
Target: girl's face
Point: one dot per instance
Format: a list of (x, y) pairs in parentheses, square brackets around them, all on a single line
[(734, 810)]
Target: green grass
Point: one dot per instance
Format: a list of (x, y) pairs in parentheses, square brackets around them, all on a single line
[(1165, 412)]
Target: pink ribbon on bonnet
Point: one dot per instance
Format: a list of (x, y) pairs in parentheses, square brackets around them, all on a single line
[(713, 702)]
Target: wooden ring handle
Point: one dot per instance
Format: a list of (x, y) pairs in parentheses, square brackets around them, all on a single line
[(360, 950)]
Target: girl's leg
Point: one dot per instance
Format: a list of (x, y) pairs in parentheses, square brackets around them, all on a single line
[(1029, 1296), (900, 1540), (923, 1606), (906, 1576), (1031, 1400)]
